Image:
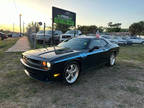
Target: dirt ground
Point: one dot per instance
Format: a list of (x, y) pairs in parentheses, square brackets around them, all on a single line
[(120, 86)]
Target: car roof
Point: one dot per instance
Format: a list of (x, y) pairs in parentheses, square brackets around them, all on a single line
[(88, 37), (92, 37)]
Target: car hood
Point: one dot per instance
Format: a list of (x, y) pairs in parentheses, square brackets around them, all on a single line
[(49, 53)]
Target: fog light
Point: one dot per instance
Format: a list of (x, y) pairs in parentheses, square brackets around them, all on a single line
[(56, 75)]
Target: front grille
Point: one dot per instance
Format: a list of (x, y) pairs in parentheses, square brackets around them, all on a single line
[(32, 62)]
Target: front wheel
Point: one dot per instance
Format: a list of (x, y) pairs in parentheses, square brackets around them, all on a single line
[(71, 73)]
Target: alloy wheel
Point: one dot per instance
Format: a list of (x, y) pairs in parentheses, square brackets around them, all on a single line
[(72, 73)]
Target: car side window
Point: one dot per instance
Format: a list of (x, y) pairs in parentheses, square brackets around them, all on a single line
[(103, 43), (94, 43), (97, 42)]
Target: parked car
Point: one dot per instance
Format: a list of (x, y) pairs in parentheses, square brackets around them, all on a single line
[(119, 40), (127, 38), (109, 38), (9, 35), (70, 34), (137, 40), (57, 34), (91, 34), (3, 36), (48, 36), (40, 36), (14, 35), (69, 58)]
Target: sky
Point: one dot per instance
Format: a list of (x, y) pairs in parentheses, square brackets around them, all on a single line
[(89, 12)]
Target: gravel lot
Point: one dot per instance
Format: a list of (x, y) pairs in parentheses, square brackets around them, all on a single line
[(121, 86)]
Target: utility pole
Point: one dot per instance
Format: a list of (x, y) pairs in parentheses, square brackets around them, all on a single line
[(20, 23), (13, 28), (44, 36), (23, 28)]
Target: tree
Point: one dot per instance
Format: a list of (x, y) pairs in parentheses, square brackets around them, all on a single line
[(114, 27), (88, 29), (33, 28), (62, 27), (101, 29), (137, 28)]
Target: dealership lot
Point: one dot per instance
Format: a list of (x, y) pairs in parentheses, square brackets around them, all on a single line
[(120, 86)]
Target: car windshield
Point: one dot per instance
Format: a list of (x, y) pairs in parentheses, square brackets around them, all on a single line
[(49, 32), (75, 43), (41, 32), (70, 32)]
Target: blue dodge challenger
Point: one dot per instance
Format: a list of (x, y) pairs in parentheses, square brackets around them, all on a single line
[(69, 58)]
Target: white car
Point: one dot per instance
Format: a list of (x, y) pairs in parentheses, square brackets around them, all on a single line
[(119, 40), (137, 40), (70, 34)]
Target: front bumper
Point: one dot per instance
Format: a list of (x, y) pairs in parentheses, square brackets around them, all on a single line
[(36, 73)]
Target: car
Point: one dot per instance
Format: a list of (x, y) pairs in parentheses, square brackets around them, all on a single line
[(15, 35), (127, 39), (56, 38), (119, 40), (70, 34), (69, 58), (40, 36), (136, 40), (109, 38), (3, 36), (9, 34), (48, 36)]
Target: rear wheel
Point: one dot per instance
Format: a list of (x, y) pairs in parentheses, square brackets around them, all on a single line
[(112, 59), (71, 73)]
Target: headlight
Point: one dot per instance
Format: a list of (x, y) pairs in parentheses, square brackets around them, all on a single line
[(48, 65)]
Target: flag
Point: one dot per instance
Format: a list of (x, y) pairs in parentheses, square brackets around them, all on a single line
[(97, 34)]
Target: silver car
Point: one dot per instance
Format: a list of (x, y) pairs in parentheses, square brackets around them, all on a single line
[(48, 35)]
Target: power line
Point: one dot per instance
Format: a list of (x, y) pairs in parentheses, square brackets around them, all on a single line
[(15, 6)]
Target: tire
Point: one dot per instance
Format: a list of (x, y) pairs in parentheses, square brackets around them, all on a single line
[(71, 73), (112, 59)]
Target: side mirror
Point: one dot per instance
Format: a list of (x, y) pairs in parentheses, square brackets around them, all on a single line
[(95, 47)]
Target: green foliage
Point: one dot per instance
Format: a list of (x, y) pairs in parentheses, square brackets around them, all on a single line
[(124, 30), (32, 27), (137, 28), (113, 29), (88, 29), (62, 27), (116, 25)]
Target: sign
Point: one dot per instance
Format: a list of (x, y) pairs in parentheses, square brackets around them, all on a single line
[(63, 16)]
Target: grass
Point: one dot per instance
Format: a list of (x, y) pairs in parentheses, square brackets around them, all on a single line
[(134, 53), (11, 74), (16, 87), (5, 44)]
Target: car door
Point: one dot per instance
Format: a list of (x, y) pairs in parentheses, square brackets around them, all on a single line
[(105, 53), (94, 57)]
